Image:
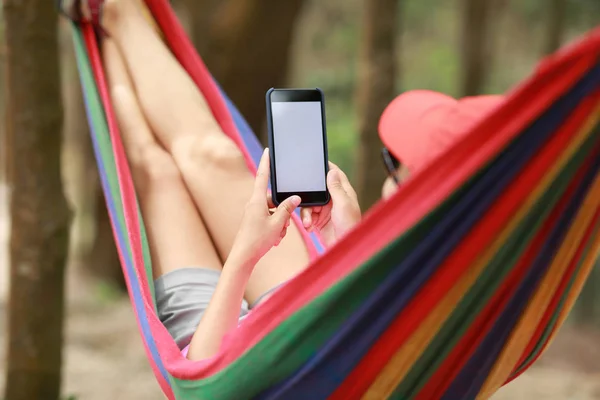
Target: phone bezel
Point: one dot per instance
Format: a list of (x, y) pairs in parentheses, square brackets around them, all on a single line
[(296, 95)]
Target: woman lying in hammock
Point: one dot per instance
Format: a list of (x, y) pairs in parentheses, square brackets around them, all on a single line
[(217, 249)]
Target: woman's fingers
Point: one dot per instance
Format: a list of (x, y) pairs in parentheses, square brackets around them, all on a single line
[(347, 186), (322, 220), (270, 203), (306, 214), (343, 180), (261, 183)]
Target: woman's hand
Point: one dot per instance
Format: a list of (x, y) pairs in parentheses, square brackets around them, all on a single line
[(340, 215), (262, 229), (259, 231)]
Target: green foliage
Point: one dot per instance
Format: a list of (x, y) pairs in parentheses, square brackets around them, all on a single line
[(431, 67), (429, 53), (107, 293), (581, 14), (341, 135)]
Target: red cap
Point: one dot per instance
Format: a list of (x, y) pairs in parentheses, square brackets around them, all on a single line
[(418, 125)]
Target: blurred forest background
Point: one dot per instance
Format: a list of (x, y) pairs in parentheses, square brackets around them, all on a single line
[(362, 53)]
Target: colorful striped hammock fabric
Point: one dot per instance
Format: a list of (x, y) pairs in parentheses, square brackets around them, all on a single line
[(448, 290)]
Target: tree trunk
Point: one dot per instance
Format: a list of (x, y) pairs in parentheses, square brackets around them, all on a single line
[(249, 51), (476, 49), (39, 213), (377, 75), (200, 14), (555, 25), (4, 145)]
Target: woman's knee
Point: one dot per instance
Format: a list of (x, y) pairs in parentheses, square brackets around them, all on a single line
[(211, 151), (153, 165)]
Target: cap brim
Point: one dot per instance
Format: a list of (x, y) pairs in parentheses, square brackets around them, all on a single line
[(419, 125), (402, 128)]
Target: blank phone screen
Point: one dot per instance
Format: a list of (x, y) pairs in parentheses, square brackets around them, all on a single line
[(298, 146)]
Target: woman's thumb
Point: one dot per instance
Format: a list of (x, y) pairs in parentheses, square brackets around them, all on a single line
[(285, 209), (334, 183)]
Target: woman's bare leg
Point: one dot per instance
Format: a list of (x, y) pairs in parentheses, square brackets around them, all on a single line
[(212, 166), (176, 234)]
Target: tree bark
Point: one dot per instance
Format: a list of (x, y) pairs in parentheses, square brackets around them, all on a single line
[(4, 145), (249, 51), (377, 76), (39, 213), (555, 26), (201, 13), (476, 45)]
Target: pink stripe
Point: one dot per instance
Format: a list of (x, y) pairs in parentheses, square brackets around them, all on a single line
[(129, 200)]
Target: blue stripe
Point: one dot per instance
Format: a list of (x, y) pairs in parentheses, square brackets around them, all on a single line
[(488, 283), (121, 241), (472, 377), (319, 377)]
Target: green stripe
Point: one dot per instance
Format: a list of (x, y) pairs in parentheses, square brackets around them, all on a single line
[(301, 336), (298, 338), (294, 341), (146, 256), (489, 281), (97, 120)]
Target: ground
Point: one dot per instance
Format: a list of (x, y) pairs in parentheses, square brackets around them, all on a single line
[(105, 358)]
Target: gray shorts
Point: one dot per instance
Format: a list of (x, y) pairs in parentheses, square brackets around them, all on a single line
[(182, 297)]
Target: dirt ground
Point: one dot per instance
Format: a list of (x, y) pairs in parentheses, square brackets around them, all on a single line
[(104, 358)]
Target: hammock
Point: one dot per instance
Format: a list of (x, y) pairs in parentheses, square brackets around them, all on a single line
[(448, 290)]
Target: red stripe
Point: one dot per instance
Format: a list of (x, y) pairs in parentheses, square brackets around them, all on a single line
[(128, 196), (458, 262), (185, 52), (552, 308), (464, 350), (123, 171), (550, 311)]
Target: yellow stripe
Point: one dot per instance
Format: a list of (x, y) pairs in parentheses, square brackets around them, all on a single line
[(586, 267), (399, 365), (536, 308)]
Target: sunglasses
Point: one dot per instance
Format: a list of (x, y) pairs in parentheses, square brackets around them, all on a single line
[(391, 164)]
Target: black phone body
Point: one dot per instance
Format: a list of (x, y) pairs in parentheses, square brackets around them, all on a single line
[(298, 145)]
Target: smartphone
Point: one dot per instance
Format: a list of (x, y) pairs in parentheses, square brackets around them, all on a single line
[(297, 145)]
